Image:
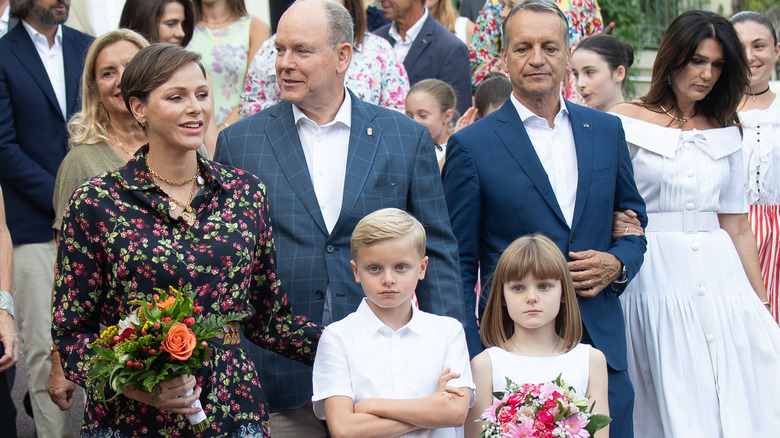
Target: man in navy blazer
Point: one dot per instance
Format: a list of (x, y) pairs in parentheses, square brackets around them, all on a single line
[(328, 159), (428, 49), (40, 74), (541, 164)]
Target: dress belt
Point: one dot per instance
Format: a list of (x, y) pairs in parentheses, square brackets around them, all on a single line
[(685, 221)]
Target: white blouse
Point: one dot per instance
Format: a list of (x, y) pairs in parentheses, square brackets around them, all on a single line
[(761, 152)]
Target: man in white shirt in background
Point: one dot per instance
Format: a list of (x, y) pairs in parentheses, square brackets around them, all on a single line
[(40, 72), (95, 17)]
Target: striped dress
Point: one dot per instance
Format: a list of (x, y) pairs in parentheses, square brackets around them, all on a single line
[(761, 152)]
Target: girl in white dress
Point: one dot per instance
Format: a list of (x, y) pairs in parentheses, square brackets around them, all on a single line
[(703, 352), (760, 116), (532, 329)]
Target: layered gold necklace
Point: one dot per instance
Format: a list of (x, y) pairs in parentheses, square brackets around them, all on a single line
[(187, 215)]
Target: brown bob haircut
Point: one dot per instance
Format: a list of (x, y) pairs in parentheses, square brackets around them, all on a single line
[(538, 256)]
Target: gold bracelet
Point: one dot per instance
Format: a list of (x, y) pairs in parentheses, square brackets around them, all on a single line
[(53, 348), (767, 304)]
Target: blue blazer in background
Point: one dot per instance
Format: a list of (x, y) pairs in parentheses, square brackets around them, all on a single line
[(497, 191), (437, 53), (33, 137), (391, 163)]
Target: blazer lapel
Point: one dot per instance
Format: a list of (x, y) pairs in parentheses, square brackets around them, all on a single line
[(584, 138), (27, 55), (292, 162), (73, 64), (420, 43), (364, 138), (515, 138)]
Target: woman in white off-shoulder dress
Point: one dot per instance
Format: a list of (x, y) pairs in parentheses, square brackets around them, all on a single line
[(704, 353)]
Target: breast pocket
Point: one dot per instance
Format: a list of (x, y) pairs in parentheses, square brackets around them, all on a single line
[(602, 174)]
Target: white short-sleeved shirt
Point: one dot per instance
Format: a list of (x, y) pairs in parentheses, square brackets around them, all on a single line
[(360, 357)]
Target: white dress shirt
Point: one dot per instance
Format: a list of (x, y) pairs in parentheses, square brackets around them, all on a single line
[(52, 61), (4, 20), (325, 148), (555, 149), (402, 45), (360, 357)]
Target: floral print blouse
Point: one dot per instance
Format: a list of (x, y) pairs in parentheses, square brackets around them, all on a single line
[(375, 75), (485, 54), (118, 242)]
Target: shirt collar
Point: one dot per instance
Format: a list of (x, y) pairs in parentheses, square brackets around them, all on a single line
[(413, 31), (33, 33), (375, 325), (526, 114), (344, 115)]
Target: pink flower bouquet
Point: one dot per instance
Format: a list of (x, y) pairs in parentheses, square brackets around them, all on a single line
[(160, 339), (544, 410)]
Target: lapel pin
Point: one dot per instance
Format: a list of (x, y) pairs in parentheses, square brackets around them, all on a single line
[(370, 131), (586, 125)]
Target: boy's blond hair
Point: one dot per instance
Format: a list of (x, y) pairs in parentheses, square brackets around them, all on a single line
[(384, 224)]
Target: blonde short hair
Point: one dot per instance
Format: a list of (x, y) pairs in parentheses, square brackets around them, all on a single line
[(384, 224)]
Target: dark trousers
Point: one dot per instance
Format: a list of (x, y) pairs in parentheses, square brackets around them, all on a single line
[(7, 408)]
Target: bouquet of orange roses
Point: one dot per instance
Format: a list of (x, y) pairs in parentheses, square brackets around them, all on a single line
[(158, 340)]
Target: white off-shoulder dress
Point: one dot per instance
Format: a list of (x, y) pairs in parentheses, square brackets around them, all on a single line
[(703, 352)]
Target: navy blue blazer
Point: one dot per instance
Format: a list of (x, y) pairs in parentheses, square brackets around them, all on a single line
[(437, 53), (391, 163), (33, 137), (497, 191)]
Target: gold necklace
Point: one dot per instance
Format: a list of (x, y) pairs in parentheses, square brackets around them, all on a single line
[(681, 118), (187, 215), (174, 183)]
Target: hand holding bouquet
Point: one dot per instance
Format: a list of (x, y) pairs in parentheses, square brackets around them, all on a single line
[(545, 410), (157, 341)]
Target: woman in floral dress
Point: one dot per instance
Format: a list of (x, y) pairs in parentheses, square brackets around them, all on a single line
[(171, 218)]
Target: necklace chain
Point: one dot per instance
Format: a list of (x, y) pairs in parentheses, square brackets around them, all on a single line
[(187, 206), (174, 183), (681, 118)]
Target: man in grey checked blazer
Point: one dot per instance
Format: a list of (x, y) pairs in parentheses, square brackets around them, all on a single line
[(390, 162)]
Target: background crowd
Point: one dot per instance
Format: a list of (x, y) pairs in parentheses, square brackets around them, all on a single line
[(237, 162)]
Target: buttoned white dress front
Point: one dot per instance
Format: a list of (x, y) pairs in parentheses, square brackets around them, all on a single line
[(703, 352)]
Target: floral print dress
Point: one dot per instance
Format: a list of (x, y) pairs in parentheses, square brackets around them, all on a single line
[(118, 243)]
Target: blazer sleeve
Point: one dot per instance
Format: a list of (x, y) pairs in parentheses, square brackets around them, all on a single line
[(456, 71), (439, 292), (629, 249)]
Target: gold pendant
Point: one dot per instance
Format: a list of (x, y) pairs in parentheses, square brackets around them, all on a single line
[(189, 217), (172, 206)]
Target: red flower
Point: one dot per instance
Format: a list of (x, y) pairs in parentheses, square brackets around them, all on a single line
[(550, 403), (515, 400), (506, 414), (126, 334), (545, 417)]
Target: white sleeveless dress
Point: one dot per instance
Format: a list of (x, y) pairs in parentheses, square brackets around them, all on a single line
[(573, 366)]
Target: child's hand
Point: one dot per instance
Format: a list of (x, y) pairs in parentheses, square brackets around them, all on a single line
[(446, 376)]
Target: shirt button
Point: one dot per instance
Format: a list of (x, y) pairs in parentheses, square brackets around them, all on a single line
[(702, 290), (330, 248), (689, 206), (710, 337), (695, 246)]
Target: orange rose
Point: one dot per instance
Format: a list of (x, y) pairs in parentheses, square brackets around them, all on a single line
[(167, 303), (180, 341)]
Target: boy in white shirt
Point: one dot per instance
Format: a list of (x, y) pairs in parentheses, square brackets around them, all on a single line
[(390, 369)]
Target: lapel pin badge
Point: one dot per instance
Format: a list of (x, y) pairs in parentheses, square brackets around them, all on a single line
[(370, 131), (586, 125)]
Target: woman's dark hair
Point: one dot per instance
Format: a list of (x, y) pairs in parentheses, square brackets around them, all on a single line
[(152, 67), (745, 16), (492, 92), (358, 14), (678, 47), (614, 52), (143, 16)]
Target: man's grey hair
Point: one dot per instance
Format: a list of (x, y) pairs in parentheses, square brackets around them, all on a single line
[(537, 6), (341, 29)]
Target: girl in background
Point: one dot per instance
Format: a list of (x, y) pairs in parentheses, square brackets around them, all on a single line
[(431, 102), (160, 21), (760, 117), (445, 13), (532, 330), (227, 38), (600, 65)]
